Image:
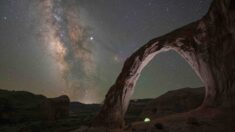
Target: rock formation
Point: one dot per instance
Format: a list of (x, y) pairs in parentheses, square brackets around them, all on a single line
[(21, 106), (55, 108), (208, 45), (176, 101)]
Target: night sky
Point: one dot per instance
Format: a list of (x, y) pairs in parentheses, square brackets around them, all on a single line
[(78, 47)]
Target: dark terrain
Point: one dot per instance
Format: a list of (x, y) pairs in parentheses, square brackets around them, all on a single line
[(26, 112)]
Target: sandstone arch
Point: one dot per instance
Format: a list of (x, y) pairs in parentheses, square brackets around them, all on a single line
[(208, 45)]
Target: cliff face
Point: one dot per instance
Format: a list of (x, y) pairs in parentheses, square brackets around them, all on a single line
[(208, 45), (55, 108), (20, 106)]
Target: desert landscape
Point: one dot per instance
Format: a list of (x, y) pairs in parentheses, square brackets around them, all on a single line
[(26, 112), (79, 54)]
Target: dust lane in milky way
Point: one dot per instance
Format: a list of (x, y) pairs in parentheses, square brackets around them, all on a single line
[(67, 41)]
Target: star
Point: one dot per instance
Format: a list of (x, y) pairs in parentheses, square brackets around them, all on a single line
[(115, 58), (91, 38), (5, 18)]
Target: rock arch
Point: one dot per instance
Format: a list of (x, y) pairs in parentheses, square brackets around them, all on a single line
[(208, 45)]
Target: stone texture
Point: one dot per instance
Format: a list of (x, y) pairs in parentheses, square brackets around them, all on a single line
[(208, 45)]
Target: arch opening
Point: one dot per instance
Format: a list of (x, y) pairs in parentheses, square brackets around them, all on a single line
[(167, 71), (142, 108)]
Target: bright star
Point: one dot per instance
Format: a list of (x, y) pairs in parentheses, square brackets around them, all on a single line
[(91, 38)]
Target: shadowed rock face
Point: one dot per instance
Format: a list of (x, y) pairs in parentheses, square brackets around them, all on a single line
[(208, 45), (21, 106), (55, 108)]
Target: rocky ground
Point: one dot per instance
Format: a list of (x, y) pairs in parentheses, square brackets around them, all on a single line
[(176, 111), (171, 112), (188, 122)]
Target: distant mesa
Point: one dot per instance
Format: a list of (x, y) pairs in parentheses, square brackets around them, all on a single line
[(55, 108), (176, 101), (21, 106)]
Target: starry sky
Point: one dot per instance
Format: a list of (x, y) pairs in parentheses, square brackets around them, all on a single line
[(78, 47)]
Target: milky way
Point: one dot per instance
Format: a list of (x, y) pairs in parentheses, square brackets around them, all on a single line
[(68, 43)]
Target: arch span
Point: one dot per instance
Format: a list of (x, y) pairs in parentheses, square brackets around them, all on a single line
[(208, 45)]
